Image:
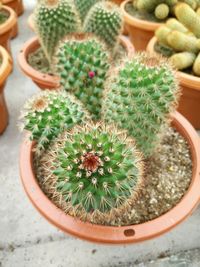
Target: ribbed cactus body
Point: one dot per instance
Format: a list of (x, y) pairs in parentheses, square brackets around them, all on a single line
[(49, 113), (181, 42), (183, 60), (189, 18), (82, 62), (83, 6), (140, 97), (105, 20), (147, 5), (98, 169), (196, 66), (53, 20)]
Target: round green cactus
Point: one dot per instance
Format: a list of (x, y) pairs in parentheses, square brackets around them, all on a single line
[(53, 20), (139, 98), (97, 169), (83, 6), (82, 63), (105, 20), (48, 113)]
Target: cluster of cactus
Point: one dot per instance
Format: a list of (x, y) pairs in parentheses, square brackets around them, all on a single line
[(162, 8), (182, 35), (82, 63), (48, 113), (97, 169), (53, 19)]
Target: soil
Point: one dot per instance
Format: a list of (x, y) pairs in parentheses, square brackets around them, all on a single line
[(38, 61), (3, 16), (168, 176)]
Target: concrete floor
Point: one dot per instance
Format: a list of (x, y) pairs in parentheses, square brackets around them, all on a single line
[(28, 240)]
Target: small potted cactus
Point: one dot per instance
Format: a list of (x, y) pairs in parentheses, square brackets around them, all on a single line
[(5, 70), (143, 17), (8, 20), (74, 17), (179, 40), (87, 177)]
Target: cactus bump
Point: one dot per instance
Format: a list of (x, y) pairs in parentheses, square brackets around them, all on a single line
[(83, 6)]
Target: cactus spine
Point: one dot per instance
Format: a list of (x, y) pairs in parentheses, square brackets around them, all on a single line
[(82, 62), (53, 20), (139, 98), (105, 20), (98, 169)]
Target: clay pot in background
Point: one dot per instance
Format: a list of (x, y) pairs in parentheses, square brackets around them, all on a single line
[(6, 28), (110, 234), (189, 104), (140, 31), (5, 70), (46, 81), (14, 4)]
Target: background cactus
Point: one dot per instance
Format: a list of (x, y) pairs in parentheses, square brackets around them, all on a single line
[(139, 98), (98, 169), (182, 35), (53, 20), (82, 62), (49, 113), (83, 6), (162, 8), (105, 20)]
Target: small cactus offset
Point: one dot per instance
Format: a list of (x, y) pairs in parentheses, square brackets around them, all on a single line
[(162, 11), (53, 20), (98, 170), (140, 97), (83, 6), (49, 113), (105, 20), (82, 62)]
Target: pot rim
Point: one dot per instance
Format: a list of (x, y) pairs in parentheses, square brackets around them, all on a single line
[(6, 65), (185, 79), (138, 23), (51, 80), (112, 234), (10, 22)]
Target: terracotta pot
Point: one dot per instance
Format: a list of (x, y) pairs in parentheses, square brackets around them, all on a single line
[(189, 104), (140, 31), (45, 81), (20, 10), (122, 234), (6, 28), (5, 70), (14, 4)]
